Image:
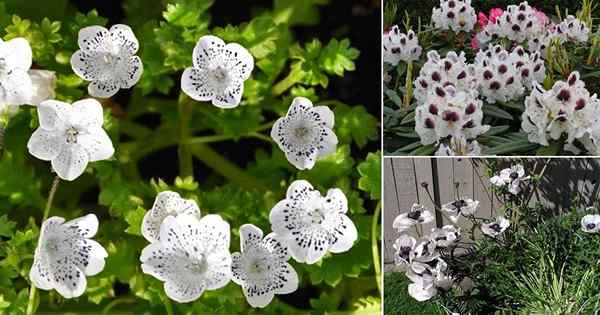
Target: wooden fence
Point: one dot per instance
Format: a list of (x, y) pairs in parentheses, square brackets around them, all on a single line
[(446, 178)]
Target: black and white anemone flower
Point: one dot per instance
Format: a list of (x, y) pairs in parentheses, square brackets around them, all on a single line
[(458, 207), (66, 254), (511, 177), (107, 59), (590, 223), (445, 236), (428, 279), (218, 72), (311, 224), (192, 256), (496, 227), (425, 251), (418, 214), (305, 133), (261, 269), (166, 203), (70, 136), (404, 246)]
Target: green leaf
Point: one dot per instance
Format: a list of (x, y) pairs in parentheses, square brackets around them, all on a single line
[(296, 12), (496, 130), (3, 303), (370, 172), (187, 13), (134, 219), (6, 226), (512, 147), (494, 111), (338, 57), (355, 123), (328, 169), (394, 97)]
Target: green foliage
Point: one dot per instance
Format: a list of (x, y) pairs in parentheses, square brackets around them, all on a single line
[(145, 126)]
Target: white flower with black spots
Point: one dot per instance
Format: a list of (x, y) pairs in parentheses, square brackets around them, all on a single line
[(425, 251), (462, 206), (15, 82), (459, 146), (572, 29), (445, 236), (498, 75), (311, 224), (457, 15), (400, 47), (590, 223), (70, 136), (166, 203), (511, 177), (261, 269), (428, 279), (305, 133), (405, 247), (44, 84), (418, 214), (218, 72), (107, 59), (192, 256), (66, 254), (495, 228)]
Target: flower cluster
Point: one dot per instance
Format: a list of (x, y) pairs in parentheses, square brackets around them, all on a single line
[(511, 177), (400, 47), (457, 15), (572, 29), (517, 23), (567, 109)]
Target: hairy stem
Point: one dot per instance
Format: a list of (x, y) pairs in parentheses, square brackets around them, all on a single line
[(32, 289), (375, 246), (186, 167)]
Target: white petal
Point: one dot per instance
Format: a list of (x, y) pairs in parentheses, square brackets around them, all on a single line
[(277, 246), (122, 36), (301, 191), (87, 65), (343, 235), (97, 144), (257, 297), (17, 87), (94, 38), (39, 274), (87, 113), (336, 201), (299, 104), (250, 235), (289, 280), (206, 49), (43, 84), (421, 293), (302, 160), (86, 226), (230, 97), (96, 256), (215, 231), (70, 281), (132, 72), (183, 292), (166, 202), (70, 162), (45, 145), (219, 269), (19, 53), (238, 274), (158, 261), (194, 83), (51, 226), (239, 60), (325, 115), (103, 89), (309, 245), (329, 143), (54, 115)]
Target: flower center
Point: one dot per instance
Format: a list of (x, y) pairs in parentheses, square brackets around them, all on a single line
[(71, 135), (591, 226), (496, 227), (198, 266), (405, 252), (52, 246), (317, 216), (301, 132), (414, 215), (514, 175), (459, 204)]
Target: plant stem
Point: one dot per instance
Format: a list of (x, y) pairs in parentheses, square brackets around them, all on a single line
[(292, 78), (375, 246), (124, 300), (168, 306), (32, 289), (186, 167), (408, 85)]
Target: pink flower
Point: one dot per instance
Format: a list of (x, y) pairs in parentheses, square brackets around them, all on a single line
[(541, 16), (474, 43), (495, 13), (482, 20)]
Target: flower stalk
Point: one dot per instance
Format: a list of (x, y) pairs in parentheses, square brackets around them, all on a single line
[(375, 247)]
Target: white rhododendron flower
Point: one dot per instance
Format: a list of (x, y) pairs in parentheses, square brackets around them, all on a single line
[(400, 47), (567, 109), (459, 146), (572, 29), (517, 23), (590, 223), (65, 254), (305, 133), (262, 268), (15, 82), (166, 203), (457, 15), (449, 112), (496, 227), (445, 236), (404, 246), (107, 59), (43, 83), (191, 256), (463, 206), (70, 136), (542, 42), (218, 72), (511, 177), (418, 214), (440, 72), (311, 224)]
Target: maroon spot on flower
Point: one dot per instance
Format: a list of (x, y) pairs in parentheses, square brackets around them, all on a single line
[(396, 50), (521, 17), (440, 92), (510, 81), (520, 51), (572, 79), (502, 69), (469, 124), (487, 74), (529, 24), (470, 109), (433, 109), (448, 83), (424, 84), (447, 65), (564, 95), (436, 77), (519, 64), (403, 41), (495, 85), (450, 15), (451, 4), (516, 28), (522, 7), (537, 67), (561, 118), (461, 75), (525, 73), (410, 36), (463, 9), (429, 123), (449, 115), (580, 104)]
